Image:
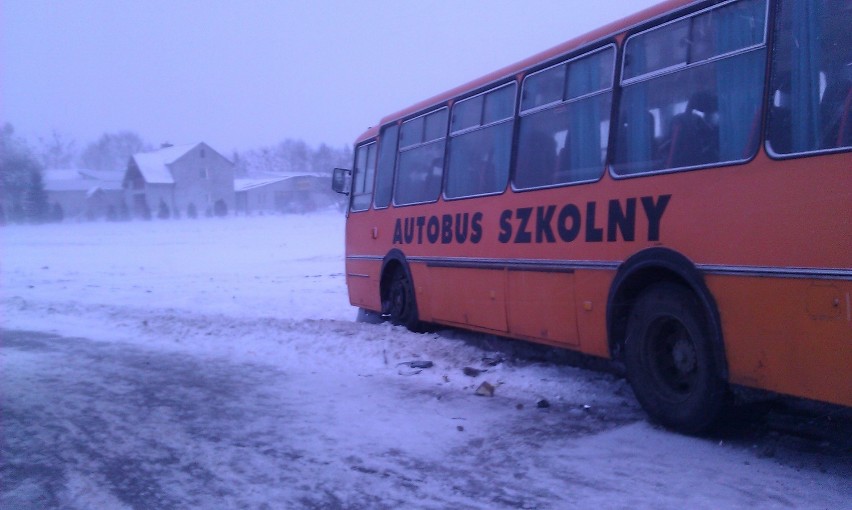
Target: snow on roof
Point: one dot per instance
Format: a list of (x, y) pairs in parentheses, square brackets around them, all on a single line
[(61, 174), (154, 165), (87, 185), (247, 184), (81, 180), (102, 175)]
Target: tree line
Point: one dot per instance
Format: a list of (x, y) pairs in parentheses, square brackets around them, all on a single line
[(22, 164)]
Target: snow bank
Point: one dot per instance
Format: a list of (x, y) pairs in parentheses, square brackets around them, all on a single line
[(269, 292)]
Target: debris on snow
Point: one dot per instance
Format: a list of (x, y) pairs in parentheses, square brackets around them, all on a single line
[(485, 389), (542, 404), (492, 362), (414, 367), (472, 372)]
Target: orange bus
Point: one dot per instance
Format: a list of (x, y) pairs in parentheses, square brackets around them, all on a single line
[(673, 190)]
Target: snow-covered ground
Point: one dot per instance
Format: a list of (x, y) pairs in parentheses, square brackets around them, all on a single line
[(268, 394)]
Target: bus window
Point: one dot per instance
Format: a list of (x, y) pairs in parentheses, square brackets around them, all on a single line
[(480, 143), (362, 177), (811, 83), (692, 91), (564, 125), (544, 88), (387, 160), (421, 158)]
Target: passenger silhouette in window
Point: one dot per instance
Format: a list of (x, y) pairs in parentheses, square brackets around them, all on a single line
[(694, 138), (835, 110)]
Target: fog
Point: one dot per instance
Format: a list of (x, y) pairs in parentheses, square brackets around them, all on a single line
[(239, 75)]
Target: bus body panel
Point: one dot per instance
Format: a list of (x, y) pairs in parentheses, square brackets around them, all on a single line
[(799, 344), (362, 280), (715, 217), (771, 239)]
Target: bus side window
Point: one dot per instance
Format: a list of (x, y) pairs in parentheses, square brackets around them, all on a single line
[(537, 153), (480, 143), (695, 133), (811, 103), (421, 158), (563, 139), (835, 112), (363, 176), (386, 164), (701, 78)]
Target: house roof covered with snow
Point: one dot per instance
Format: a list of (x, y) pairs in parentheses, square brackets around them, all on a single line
[(61, 174), (81, 180), (154, 165), (102, 175), (247, 184)]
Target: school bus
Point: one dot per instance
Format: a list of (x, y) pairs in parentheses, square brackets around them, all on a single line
[(672, 190)]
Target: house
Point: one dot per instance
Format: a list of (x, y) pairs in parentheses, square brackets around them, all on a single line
[(283, 193), (85, 194), (180, 180)]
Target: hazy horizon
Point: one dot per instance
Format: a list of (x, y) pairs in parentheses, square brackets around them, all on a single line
[(243, 75)]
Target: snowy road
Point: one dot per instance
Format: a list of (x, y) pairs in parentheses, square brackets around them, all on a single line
[(102, 425), (216, 364), (89, 424)]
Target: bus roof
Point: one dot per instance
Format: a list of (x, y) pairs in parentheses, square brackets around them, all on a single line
[(602, 33)]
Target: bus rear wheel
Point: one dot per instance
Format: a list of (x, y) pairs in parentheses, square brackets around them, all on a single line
[(670, 361), (400, 305)]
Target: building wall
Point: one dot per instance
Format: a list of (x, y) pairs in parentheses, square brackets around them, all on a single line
[(81, 204), (308, 193), (151, 197), (72, 202), (295, 194), (202, 178), (262, 198), (105, 204)]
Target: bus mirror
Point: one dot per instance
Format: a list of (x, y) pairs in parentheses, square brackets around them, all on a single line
[(341, 180)]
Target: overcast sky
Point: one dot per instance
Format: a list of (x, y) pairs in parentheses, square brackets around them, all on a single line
[(242, 74)]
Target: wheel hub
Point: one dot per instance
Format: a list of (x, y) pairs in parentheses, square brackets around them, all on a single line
[(683, 355)]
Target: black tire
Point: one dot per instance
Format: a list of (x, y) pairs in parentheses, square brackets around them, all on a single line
[(400, 305), (670, 359)]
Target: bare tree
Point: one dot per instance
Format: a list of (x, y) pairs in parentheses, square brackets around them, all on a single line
[(292, 156), (112, 151), (56, 150), (325, 159)]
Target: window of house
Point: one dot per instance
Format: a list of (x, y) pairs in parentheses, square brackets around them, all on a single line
[(481, 143), (692, 91), (564, 121), (421, 158)]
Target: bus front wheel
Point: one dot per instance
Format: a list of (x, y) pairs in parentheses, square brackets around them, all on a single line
[(400, 305), (670, 362)]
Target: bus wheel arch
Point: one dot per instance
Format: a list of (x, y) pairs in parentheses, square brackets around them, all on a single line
[(660, 304), (399, 302)]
